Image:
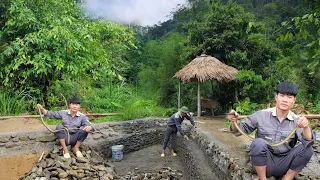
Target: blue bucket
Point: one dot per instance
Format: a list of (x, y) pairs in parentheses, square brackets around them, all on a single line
[(117, 152)]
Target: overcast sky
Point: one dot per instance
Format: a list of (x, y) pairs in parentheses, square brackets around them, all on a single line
[(144, 12)]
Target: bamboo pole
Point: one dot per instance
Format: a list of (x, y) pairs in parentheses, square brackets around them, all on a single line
[(179, 96), (308, 116), (199, 104), (38, 116)]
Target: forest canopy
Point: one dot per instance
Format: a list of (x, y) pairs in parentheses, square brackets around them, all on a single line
[(51, 50)]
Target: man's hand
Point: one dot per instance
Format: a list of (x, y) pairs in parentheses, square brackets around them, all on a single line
[(87, 128), (303, 122), (233, 116), (43, 111), (186, 137), (39, 107)]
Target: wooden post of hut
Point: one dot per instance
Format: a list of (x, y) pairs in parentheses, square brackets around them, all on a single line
[(199, 101), (179, 96)]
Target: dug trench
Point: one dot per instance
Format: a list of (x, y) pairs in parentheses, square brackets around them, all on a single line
[(212, 153)]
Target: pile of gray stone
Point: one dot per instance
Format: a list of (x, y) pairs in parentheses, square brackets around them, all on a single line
[(166, 173), (54, 166)]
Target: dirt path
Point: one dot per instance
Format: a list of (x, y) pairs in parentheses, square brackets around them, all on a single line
[(216, 127), (21, 125)]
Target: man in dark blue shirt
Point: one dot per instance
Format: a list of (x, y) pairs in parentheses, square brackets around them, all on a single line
[(174, 125)]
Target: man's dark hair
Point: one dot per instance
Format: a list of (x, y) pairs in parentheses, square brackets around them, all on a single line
[(75, 100), (287, 88)]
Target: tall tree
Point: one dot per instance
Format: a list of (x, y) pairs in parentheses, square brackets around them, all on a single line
[(42, 41)]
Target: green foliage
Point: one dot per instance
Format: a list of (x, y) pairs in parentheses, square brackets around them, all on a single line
[(315, 109), (50, 49), (11, 103), (299, 39), (170, 111), (163, 59), (44, 41), (305, 30), (245, 107), (252, 86), (227, 124), (232, 35), (138, 108), (60, 92)]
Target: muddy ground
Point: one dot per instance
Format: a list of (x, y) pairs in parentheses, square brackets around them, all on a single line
[(13, 167), (148, 160)]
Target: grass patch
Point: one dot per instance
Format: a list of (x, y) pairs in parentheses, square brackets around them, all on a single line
[(49, 121), (107, 119), (11, 103)]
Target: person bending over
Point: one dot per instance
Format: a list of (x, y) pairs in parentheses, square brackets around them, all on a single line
[(173, 126)]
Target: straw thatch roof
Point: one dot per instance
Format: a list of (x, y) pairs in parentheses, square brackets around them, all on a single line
[(205, 68)]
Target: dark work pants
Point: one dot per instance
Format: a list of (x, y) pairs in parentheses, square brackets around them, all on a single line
[(79, 135), (171, 131), (278, 165)]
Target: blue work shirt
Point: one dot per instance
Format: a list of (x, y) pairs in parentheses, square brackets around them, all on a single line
[(176, 120), (78, 121), (273, 131)]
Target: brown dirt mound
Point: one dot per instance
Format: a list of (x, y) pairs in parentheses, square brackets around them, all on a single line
[(14, 167)]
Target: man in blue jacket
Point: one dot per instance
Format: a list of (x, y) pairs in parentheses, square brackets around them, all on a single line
[(78, 126), (173, 126)]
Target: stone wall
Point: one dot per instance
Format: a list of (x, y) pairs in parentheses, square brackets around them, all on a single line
[(137, 134), (228, 168), (134, 135)]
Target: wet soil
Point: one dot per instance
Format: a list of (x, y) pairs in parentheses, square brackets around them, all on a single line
[(146, 160), (200, 161), (13, 167)]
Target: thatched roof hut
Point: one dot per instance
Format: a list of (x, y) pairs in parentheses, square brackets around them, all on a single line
[(204, 68)]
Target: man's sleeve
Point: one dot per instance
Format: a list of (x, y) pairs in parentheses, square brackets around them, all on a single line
[(178, 125), (248, 126), (191, 119), (86, 122), (54, 115), (303, 140)]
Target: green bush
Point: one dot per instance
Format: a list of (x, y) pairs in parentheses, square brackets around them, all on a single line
[(247, 107), (316, 108)]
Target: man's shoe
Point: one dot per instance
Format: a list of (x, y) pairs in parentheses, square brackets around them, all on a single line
[(174, 154), (66, 155), (79, 154), (162, 155)]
